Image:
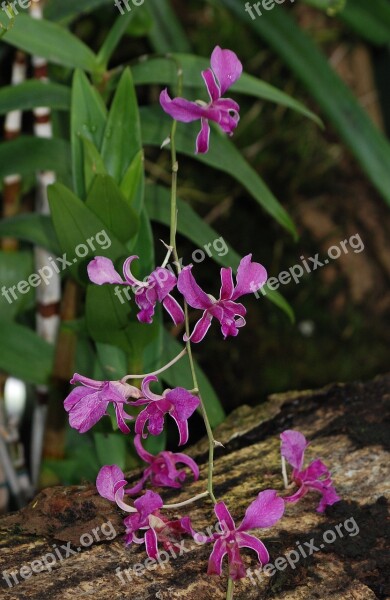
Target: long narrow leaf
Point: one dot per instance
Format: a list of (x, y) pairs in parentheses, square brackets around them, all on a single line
[(223, 155), (31, 94), (26, 155), (339, 104)]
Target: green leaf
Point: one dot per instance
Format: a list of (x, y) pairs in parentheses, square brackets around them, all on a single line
[(88, 120), (190, 225), (180, 375), (15, 268), (164, 71), (111, 449), (142, 23), (167, 34), (113, 360), (133, 183), (339, 104), (51, 41), (80, 231), (223, 155), (122, 136), (370, 20), (33, 228), (31, 94), (113, 38), (108, 203), (93, 163), (58, 10), (29, 154), (24, 354)]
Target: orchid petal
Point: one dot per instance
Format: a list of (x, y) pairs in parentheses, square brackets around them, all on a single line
[(151, 544), (191, 291), (265, 511), (293, 447), (226, 67), (216, 558), (227, 286), (224, 516), (87, 412), (250, 277), (180, 109), (187, 460), (174, 309), (101, 270), (184, 402), (142, 453), (107, 481), (200, 329), (146, 391), (211, 85), (203, 138), (250, 541), (147, 503), (131, 280)]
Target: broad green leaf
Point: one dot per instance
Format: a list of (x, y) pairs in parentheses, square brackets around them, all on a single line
[(88, 120), (58, 10), (167, 34), (16, 294), (122, 135), (108, 203), (93, 163), (107, 313), (164, 71), (51, 41), (31, 94), (81, 234), (339, 104), (223, 155), (200, 233), (371, 19), (180, 375), (133, 183), (24, 354), (114, 37), (111, 449), (113, 360), (142, 23), (29, 154), (33, 228)]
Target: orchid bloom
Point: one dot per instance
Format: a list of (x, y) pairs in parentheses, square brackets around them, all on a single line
[(179, 403), (250, 277), (156, 527), (265, 511), (225, 70), (162, 471), (156, 288), (88, 403), (110, 484), (315, 477)]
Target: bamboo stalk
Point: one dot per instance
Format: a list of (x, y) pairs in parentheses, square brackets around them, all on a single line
[(48, 296)]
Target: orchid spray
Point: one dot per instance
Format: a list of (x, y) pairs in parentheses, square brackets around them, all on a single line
[(145, 522)]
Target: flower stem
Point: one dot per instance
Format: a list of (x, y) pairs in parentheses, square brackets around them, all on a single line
[(189, 501), (164, 368), (172, 244), (230, 589)]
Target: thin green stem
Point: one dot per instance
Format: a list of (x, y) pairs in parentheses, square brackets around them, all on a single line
[(172, 244), (185, 502), (230, 589)]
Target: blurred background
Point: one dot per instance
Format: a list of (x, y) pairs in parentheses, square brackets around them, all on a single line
[(333, 180)]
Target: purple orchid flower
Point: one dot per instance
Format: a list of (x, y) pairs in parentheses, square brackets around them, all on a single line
[(156, 527), (315, 477), (162, 471), (156, 288), (265, 511), (225, 70), (179, 403), (250, 277), (88, 403), (110, 484)]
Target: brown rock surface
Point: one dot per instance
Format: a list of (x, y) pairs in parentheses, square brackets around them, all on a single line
[(347, 426)]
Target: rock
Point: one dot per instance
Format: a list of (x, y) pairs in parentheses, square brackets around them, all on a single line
[(344, 548)]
